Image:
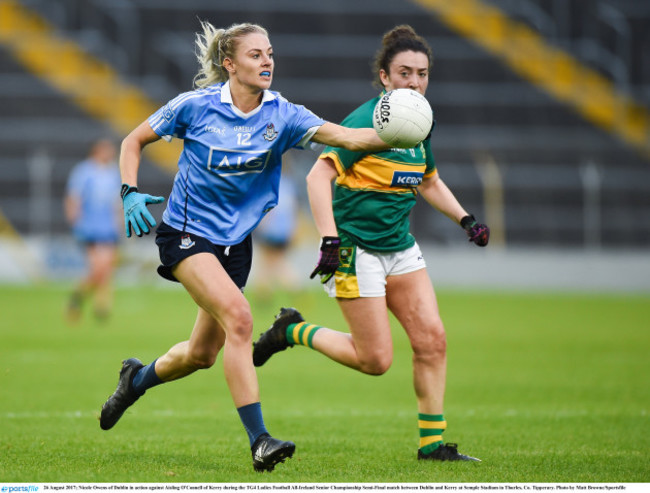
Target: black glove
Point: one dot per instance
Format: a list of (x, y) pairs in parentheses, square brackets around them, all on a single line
[(476, 232), (328, 261)]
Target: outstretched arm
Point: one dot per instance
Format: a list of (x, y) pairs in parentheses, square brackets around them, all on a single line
[(437, 194), (353, 139)]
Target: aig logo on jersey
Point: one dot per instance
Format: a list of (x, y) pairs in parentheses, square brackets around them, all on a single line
[(406, 178), (237, 162)]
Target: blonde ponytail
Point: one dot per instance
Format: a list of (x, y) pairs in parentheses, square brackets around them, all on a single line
[(214, 46)]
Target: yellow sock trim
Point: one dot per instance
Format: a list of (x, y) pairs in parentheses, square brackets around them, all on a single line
[(424, 441), (295, 335), (304, 340), (436, 425), (303, 333)]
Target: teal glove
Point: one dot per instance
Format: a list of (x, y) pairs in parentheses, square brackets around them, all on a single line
[(136, 214)]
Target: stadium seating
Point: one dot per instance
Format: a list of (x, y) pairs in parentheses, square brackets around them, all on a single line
[(511, 152)]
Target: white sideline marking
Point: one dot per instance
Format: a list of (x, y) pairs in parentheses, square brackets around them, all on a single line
[(48, 415)]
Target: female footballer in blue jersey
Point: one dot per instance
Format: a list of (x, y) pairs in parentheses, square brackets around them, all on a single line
[(92, 208), (373, 261), (234, 131)]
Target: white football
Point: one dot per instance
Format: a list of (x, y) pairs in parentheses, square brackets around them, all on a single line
[(402, 118)]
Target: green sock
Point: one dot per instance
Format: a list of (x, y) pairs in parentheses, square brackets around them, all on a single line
[(431, 428), (301, 333)]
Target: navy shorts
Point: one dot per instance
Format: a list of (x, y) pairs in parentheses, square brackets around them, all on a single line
[(88, 240), (175, 245)]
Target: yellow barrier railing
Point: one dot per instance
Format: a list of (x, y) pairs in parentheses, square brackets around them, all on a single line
[(555, 71), (90, 83)]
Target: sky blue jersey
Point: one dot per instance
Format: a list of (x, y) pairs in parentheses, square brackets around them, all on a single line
[(229, 170), (97, 189)]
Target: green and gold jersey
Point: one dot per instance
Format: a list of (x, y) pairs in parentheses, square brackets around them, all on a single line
[(375, 192)]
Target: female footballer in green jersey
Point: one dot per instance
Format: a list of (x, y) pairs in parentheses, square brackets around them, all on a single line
[(369, 260)]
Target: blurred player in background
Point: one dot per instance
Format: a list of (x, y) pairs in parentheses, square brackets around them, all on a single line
[(274, 236), (235, 131), (93, 210), (369, 260)]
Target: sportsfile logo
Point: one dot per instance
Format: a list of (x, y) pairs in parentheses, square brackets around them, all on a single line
[(22, 489), (406, 179)]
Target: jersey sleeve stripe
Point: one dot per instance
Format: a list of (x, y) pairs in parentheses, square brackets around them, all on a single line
[(335, 158)]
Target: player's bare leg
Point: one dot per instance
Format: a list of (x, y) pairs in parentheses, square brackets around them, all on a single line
[(97, 283), (369, 346), (224, 320), (412, 300), (184, 358), (181, 360), (102, 260), (213, 290), (200, 351)]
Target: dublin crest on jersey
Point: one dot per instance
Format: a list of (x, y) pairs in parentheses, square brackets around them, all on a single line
[(270, 133)]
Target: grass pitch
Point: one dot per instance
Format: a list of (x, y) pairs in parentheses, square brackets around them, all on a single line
[(542, 387)]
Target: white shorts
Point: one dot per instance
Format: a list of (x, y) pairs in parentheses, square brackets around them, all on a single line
[(362, 274)]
